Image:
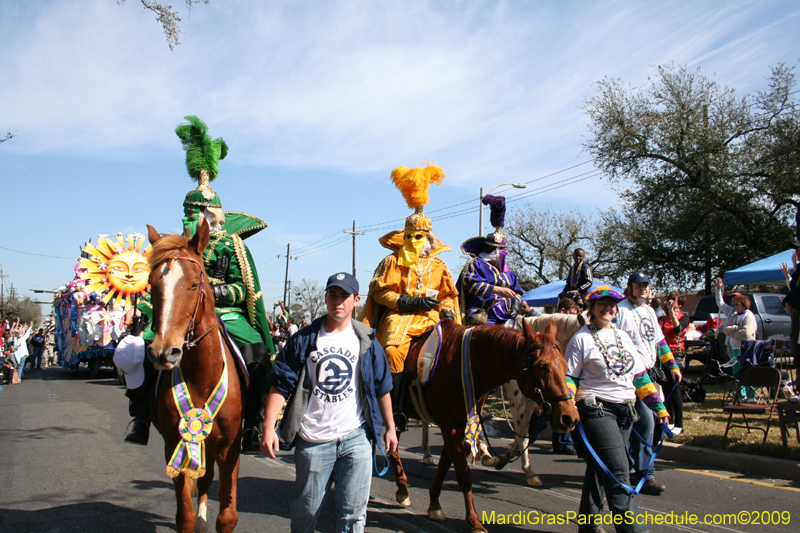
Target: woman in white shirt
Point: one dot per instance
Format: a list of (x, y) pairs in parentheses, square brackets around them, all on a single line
[(739, 326), (21, 347), (606, 373)]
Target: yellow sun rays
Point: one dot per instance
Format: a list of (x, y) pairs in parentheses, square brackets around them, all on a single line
[(116, 267)]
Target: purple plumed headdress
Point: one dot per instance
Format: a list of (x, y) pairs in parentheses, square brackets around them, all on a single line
[(497, 206)]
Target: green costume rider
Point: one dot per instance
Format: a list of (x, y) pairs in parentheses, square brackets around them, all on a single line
[(234, 283)]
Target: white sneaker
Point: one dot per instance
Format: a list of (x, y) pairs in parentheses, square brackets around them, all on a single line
[(795, 399), (671, 426), (676, 431)]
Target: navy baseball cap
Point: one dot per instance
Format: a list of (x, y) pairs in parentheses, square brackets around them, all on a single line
[(345, 281), (638, 277)]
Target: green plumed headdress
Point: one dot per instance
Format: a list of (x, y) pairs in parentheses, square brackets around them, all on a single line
[(202, 161)]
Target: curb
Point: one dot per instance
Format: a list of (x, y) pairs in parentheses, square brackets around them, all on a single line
[(702, 457), (731, 461)]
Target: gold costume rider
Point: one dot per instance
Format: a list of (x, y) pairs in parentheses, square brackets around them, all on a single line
[(412, 288)]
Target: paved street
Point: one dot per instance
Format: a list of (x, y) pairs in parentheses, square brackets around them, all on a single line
[(66, 469)]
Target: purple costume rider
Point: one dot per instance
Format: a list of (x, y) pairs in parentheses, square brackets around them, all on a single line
[(486, 285)]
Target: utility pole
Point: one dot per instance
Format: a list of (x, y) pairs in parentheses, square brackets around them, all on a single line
[(354, 233), (480, 210), (2, 293), (286, 279)]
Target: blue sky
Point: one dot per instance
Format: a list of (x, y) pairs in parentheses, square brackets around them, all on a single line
[(318, 102)]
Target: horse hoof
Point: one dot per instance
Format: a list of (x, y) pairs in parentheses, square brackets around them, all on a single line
[(499, 464), (403, 499), (428, 460), (487, 460), (436, 515), (534, 481), (479, 531), (201, 526)]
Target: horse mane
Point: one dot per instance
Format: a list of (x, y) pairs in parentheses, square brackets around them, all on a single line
[(166, 247)]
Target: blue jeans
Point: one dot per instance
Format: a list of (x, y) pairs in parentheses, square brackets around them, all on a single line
[(36, 356), (638, 453), (607, 429), (344, 462), (21, 365)]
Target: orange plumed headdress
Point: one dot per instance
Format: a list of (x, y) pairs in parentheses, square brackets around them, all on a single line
[(414, 183)]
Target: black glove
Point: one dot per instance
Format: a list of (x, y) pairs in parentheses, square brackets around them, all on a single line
[(221, 294), (447, 313), (516, 307), (423, 303), (221, 268)]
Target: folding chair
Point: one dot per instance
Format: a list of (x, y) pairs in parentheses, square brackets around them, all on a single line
[(762, 378), (752, 354)]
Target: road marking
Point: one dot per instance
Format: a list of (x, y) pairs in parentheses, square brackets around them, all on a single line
[(723, 476)]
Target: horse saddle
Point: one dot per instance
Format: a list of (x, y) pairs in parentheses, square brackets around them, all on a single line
[(429, 355)]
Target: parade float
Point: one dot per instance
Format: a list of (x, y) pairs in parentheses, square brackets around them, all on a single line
[(92, 312)]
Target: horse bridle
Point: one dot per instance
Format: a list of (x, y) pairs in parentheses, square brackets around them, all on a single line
[(545, 403), (201, 297)]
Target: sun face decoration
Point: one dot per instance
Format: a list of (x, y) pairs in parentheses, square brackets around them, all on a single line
[(117, 267)]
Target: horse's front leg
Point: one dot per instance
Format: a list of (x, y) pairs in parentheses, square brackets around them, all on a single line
[(455, 449), (228, 475), (185, 517), (203, 484), (435, 508), (531, 476), (483, 451), (400, 479), (427, 456)]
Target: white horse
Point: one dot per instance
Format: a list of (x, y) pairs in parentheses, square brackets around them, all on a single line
[(522, 408)]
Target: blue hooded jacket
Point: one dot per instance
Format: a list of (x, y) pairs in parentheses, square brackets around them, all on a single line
[(290, 368)]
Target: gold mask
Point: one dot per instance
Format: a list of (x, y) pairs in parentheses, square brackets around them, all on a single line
[(413, 243)]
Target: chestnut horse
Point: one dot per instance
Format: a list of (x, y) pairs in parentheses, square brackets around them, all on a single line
[(188, 336), (498, 355)]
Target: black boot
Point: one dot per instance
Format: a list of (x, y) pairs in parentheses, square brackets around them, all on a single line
[(254, 409), (400, 419), (139, 408)]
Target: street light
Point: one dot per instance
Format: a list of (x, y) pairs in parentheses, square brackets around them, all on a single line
[(480, 201)]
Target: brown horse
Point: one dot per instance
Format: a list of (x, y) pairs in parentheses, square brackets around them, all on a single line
[(498, 354), (187, 335)]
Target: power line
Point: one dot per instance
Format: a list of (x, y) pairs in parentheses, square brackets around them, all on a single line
[(40, 255)]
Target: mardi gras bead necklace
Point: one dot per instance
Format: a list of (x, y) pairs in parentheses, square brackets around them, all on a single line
[(577, 273), (618, 364)]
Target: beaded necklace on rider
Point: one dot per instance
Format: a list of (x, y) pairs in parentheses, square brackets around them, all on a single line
[(195, 424), (618, 364), (577, 273)]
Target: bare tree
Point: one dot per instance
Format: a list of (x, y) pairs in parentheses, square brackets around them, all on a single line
[(541, 243), (311, 297), (168, 18)]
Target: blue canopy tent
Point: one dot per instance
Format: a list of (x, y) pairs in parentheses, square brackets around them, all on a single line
[(764, 271), (548, 294)]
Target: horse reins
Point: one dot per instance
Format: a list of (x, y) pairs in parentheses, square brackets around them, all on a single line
[(202, 297), (545, 403)]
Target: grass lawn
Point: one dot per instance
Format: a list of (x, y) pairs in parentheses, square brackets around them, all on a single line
[(704, 425)]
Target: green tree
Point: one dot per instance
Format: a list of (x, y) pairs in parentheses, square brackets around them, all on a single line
[(688, 149), (23, 309)]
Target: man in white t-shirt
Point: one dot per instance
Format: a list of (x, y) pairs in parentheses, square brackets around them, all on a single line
[(337, 382), (639, 320)]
